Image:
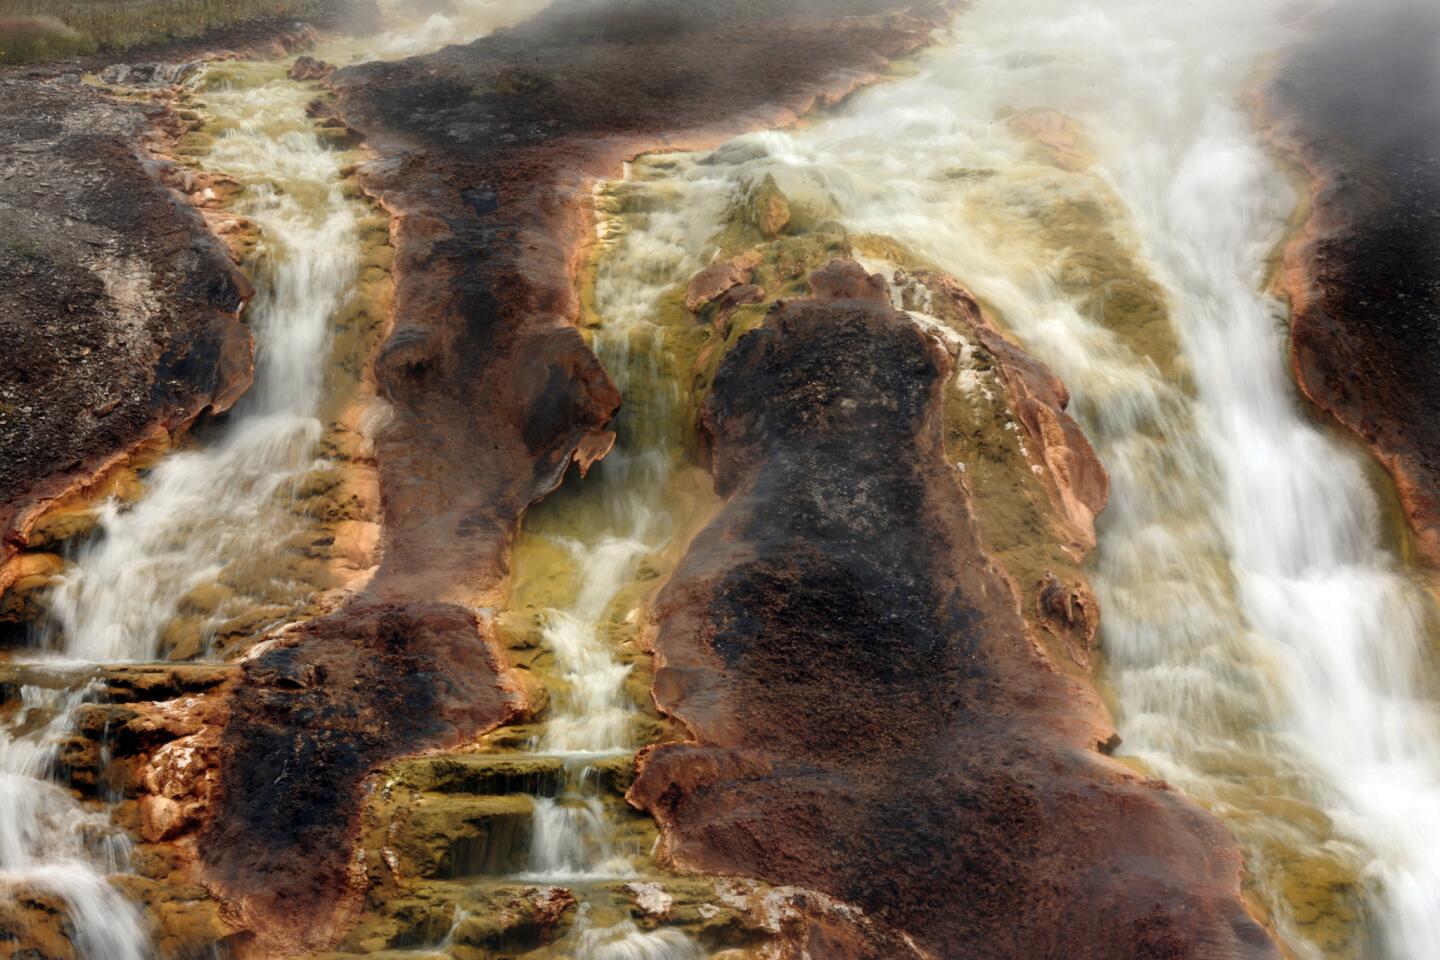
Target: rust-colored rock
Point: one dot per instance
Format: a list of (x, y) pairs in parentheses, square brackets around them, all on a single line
[(307, 68), (316, 710), (1075, 478), (1363, 276), (869, 716), (486, 155), (118, 309), (717, 280), (847, 280)]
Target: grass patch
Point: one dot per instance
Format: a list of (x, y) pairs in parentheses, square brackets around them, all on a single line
[(32, 30), (25, 248)]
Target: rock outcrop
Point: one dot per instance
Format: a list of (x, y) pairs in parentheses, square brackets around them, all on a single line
[(118, 309), (871, 716), (324, 704), (1363, 275), (485, 157), (487, 153)]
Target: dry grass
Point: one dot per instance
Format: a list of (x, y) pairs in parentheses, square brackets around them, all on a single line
[(33, 30)]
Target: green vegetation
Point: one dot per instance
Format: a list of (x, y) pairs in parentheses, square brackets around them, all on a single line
[(25, 247), (33, 30)]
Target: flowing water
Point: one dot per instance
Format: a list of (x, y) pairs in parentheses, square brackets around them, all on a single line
[(614, 530), (1266, 651), (222, 511), (225, 506)]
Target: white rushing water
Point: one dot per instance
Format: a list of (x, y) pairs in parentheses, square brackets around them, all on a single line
[(226, 504), (1264, 646)]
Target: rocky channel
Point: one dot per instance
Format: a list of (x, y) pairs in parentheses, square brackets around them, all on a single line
[(663, 560)]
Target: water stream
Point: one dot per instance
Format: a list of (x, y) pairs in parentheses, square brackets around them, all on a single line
[(622, 518), (1265, 649), (221, 511)]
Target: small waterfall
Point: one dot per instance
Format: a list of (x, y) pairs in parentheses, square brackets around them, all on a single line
[(625, 520), (222, 511), (1266, 651), (49, 842), (626, 941)]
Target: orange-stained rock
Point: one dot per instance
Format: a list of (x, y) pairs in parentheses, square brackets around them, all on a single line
[(1058, 138), (1363, 274), (307, 68), (318, 707), (869, 716), (769, 208), (847, 280), (718, 279), (1073, 474)]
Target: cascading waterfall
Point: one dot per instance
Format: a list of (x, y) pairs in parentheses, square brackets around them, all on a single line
[(1263, 645), (220, 510), (594, 715), (50, 842), (225, 507)]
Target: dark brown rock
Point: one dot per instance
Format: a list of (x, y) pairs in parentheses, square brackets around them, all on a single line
[(306, 68), (118, 309), (1364, 275), (316, 711), (870, 717)]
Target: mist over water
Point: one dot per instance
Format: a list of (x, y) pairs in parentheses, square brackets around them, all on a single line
[(220, 509), (1265, 650)]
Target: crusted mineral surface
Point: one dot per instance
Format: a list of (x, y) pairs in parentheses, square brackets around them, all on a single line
[(844, 586), (1363, 273), (118, 309)]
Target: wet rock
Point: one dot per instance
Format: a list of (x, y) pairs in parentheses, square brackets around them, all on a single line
[(319, 707), (1057, 139), (769, 208), (1074, 477), (521, 921), (307, 68), (847, 280), (844, 585), (118, 309), (486, 154), (150, 74), (718, 279), (480, 775), (1363, 276)]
